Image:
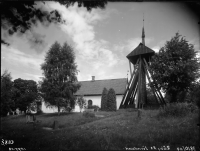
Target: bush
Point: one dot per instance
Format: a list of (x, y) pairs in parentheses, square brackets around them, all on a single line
[(112, 104), (67, 109), (95, 107), (192, 107), (88, 114), (177, 109), (81, 102), (104, 99)]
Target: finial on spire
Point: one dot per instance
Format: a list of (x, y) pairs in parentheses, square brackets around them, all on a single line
[(143, 34), (143, 19)]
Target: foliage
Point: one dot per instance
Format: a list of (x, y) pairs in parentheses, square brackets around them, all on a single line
[(176, 66), (60, 81), (38, 102), (88, 114), (104, 99), (21, 16), (111, 104), (81, 102), (33, 106), (6, 93), (25, 92), (194, 93), (190, 96), (95, 107), (68, 108), (178, 110), (150, 97)]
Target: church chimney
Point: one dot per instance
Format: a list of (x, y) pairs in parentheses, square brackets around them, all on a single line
[(93, 78)]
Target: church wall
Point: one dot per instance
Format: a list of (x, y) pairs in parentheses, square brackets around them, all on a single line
[(96, 100), (46, 109)]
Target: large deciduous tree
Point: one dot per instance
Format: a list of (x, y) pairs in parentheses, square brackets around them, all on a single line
[(176, 66), (104, 99), (6, 93), (24, 92), (60, 81)]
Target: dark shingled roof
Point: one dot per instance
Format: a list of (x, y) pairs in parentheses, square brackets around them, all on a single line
[(142, 50), (89, 88)]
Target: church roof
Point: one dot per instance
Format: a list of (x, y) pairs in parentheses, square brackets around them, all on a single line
[(92, 88), (142, 50)]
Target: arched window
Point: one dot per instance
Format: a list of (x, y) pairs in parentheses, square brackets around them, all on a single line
[(89, 102)]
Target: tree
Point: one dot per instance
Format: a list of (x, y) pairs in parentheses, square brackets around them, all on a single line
[(194, 94), (104, 99), (60, 81), (20, 16), (25, 92), (6, 93), (111, 104), (81, 103), (175, 67)]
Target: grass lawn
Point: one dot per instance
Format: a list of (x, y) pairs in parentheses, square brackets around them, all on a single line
[(116, 130)]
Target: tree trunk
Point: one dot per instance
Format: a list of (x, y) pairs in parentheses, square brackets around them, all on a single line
[(58, 110)]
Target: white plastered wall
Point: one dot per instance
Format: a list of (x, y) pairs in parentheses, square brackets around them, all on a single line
[(96, 100), (46, 109)]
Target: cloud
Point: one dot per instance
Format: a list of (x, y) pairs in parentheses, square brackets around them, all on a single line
[(195, 42), (16, 57), (159, 45), (36, 41), (130, 44), (79, 26), (34, 76), (156, 49), (93, 57)]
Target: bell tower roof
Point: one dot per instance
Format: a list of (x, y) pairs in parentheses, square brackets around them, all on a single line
[(140, 50)]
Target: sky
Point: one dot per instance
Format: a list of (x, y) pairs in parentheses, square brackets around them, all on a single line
[(101, 39)]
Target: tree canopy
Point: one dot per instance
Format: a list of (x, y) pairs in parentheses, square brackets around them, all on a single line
[(175, 67), (20, 16), (25, 92), (6, 93), (60, 81)]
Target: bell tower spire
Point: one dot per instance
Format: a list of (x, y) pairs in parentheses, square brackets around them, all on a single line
[(143, 34)]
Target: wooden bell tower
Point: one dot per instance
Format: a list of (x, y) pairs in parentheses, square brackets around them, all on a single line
[(135, 95)]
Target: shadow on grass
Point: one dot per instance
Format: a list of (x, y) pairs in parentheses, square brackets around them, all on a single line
[(56, 114)]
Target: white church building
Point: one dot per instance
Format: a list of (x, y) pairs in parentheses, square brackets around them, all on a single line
[(92, 90)]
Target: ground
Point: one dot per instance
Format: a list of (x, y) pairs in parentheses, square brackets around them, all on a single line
[(115, 131)]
